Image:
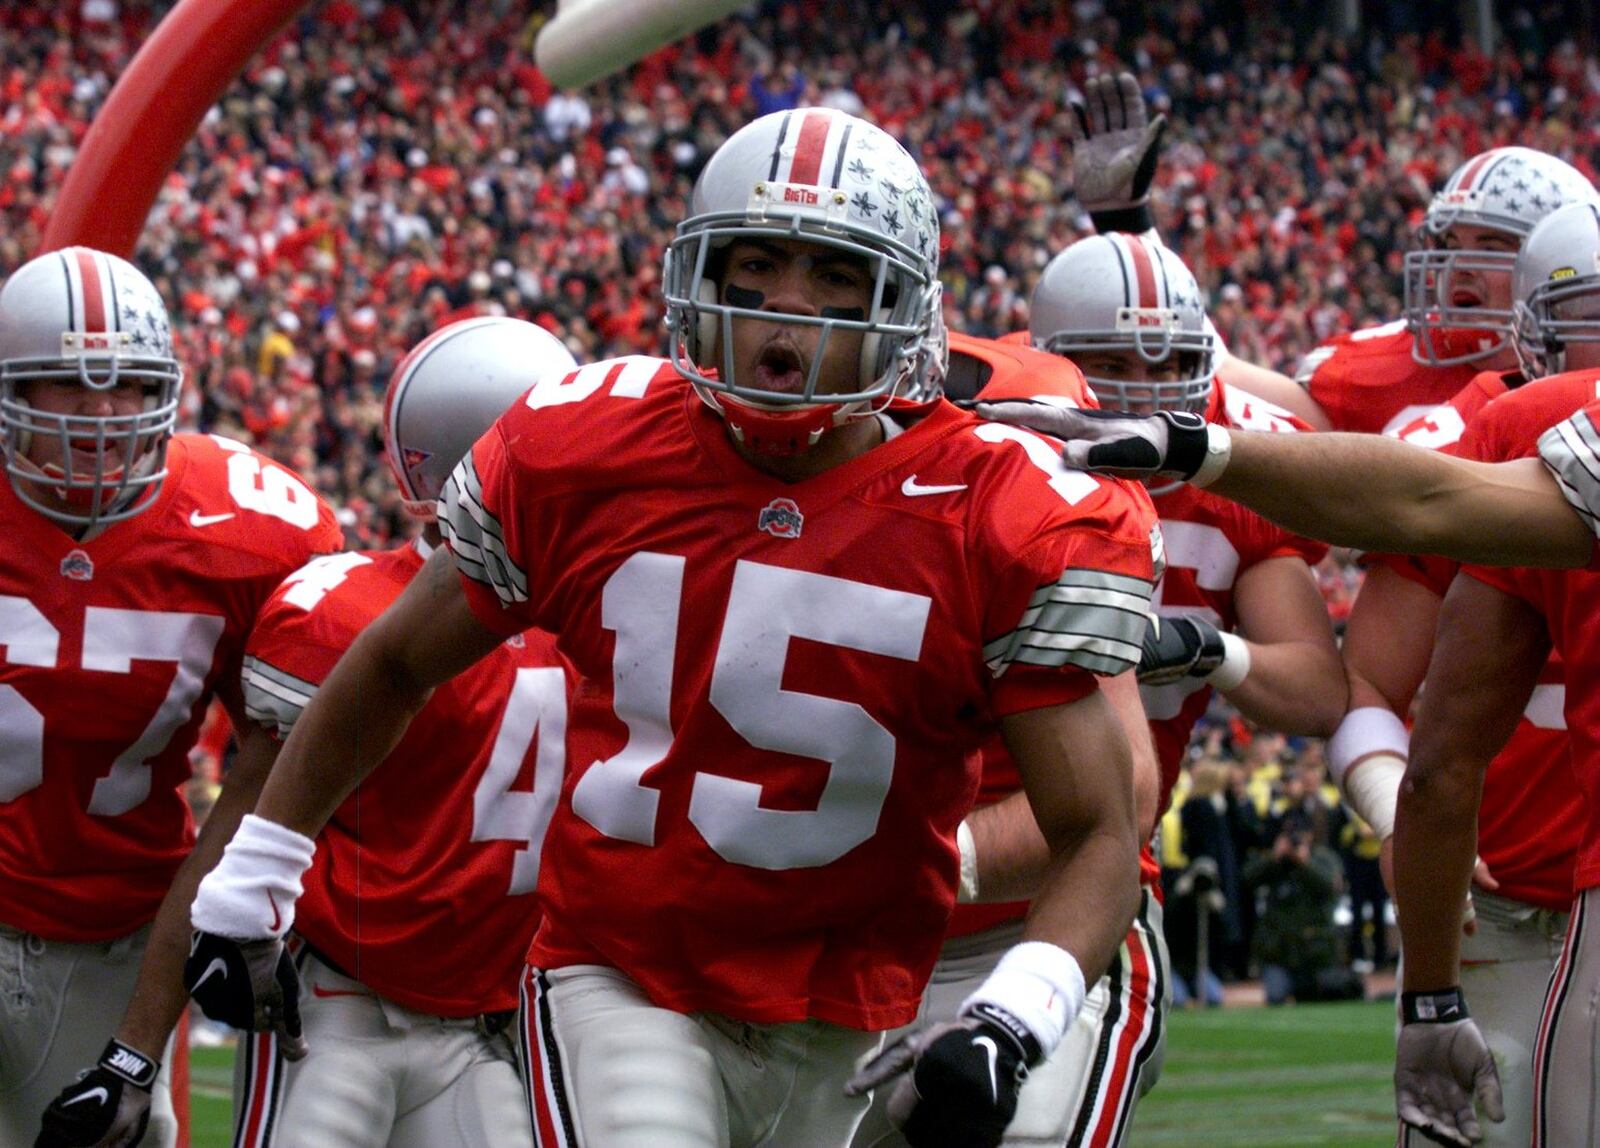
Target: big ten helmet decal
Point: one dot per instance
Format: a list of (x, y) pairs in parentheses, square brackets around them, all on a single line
[(819, 175), (77, 317), (1123, 293), (451, 387), (1556, 288), (1507, 190)]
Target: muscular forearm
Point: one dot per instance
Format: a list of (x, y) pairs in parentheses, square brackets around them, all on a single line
[(1377, 493), (1088, 897), (1296, 687), (1012, 853), (1436, 834)]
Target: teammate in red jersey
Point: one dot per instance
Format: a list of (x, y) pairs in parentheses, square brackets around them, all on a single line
[(1379, 494), (410, 1033), (795, 614), (134, 566), (1128, 312), (1530, 817)]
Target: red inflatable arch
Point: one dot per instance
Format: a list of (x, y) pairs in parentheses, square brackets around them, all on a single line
[(179, 73)]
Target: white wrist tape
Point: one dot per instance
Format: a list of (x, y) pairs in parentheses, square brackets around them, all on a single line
[(1219, 448), (1367, 758), (251, 893), (1235, 663), (967, 890), (1038, 983)]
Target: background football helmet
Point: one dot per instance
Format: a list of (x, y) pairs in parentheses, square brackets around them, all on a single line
[(1121, 293), (1507, 189), (830, 178), (86, 317), (1557, 285), (451, 387)]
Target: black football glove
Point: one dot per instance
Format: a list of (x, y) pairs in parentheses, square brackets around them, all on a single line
[(1174, 444), (250, 985), (1177, 648), (1115, 151), (958, 1081), (107, 1107)]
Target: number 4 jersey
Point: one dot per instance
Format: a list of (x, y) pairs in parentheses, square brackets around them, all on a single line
[(109, 652), (423, 879), (782, 686)]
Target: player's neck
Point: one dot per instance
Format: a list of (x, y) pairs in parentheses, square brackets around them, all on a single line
[(836, 447)]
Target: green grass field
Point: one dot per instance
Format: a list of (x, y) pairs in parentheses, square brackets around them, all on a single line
[(1316, 1076)]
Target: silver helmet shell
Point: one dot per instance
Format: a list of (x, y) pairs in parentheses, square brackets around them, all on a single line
[(1509, 190), (451, 387), (1123, 293), (1557, 288), (819, 175)]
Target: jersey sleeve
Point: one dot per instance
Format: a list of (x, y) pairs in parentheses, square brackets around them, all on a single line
[(1570, 450), (484, 516), (1072, 605)]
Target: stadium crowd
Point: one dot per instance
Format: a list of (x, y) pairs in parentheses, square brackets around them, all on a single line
[(385, 168)]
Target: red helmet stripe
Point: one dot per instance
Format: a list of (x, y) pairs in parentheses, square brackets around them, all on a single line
[(808, 148), (1475, 167), (1144, 272), (94, 307)]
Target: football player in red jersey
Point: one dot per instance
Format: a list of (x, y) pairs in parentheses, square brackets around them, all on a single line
[(777, 567), (134, 566), (1530, 817), (1381, 494), (1128, 312)]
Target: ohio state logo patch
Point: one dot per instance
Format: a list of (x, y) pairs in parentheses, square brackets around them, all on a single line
[(78, 566), (781, 518)]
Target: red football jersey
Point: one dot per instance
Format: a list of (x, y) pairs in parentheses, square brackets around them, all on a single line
[(1367, 381), (1531, 821), (423, 882), (111, 650), (782, 686)]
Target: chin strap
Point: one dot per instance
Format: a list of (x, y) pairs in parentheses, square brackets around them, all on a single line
[(779, 433)]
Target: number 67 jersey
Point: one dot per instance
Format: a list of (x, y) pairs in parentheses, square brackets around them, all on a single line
[(782, 687), (110, 650)]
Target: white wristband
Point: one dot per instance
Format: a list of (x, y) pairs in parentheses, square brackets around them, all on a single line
[(1367, 759), (967, 890), (1219, 448), (1372, 787), (1235, 663), (1038, 983), (251, 893)]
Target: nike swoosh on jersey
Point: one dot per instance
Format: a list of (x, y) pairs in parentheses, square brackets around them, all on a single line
[(101, 1093), (994, 1056), (198, 519), (217, 965), (911, 488)]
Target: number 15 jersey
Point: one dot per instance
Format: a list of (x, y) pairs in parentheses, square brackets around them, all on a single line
[(782, 686)]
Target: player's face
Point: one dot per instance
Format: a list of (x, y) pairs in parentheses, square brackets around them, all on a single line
[(72, 398), (1582, 355), (794, 277), (1128, 367), (1476, 288)]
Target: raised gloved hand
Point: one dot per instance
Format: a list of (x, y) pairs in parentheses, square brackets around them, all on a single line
[(1179, 647), (1115, 150), (108, 1106), (1442, 1065), (1175, 444), (251, 985), (955, 1084)]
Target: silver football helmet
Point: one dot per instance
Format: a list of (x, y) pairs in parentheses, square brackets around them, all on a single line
[(1507, 189), (87, 319), (819, 175), (1557, 287), (1122, 293), (451, 387)]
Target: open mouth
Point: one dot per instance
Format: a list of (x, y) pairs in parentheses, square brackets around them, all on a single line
[(1465, 297), (781, 369)]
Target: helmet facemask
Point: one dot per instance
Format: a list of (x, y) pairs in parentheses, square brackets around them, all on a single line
[(1154, 334), (126, 454), (1556, 315), (1446, 332)]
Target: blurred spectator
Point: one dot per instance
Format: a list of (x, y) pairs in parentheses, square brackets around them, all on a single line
[(1296, 940)]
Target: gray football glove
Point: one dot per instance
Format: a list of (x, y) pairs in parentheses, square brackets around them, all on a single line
[(1441, 1066), (1115, 151)]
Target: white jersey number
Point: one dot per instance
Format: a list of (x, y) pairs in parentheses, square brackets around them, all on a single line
[(537, 707), (767, 607), (1214, 560), (112, 641), (267, 489)]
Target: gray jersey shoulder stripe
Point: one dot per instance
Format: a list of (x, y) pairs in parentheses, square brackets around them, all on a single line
[(1569, 452), (273, 698), (475, 536)]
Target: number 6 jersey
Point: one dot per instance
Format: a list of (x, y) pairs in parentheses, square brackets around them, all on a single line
[(782, 686), (109, 652)]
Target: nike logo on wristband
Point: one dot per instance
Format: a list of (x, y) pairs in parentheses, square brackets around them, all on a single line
[(988, 1046), (93, 1094), (277, 917)]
